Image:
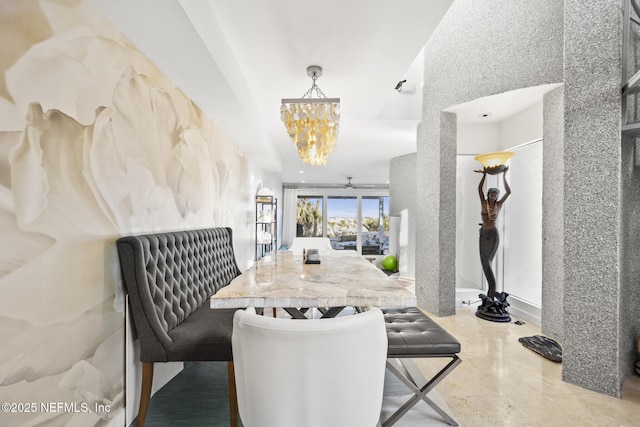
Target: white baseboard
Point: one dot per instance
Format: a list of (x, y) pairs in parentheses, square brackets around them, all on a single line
[(467, 295), (525, 310)]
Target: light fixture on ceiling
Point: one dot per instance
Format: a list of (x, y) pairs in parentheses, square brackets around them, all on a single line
[(312, 123)]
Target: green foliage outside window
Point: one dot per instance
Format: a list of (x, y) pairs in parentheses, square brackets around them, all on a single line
[(310, 217)]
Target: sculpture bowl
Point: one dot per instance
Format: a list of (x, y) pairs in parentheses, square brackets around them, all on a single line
[(495, 170), (492, 161)]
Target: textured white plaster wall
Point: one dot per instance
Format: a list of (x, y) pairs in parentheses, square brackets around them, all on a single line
[(95, 143)]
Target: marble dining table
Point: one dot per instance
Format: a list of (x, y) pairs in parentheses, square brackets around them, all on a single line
[(282, 279)]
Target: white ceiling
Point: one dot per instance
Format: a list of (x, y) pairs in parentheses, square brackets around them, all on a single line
[(237, 59), (497, 108)]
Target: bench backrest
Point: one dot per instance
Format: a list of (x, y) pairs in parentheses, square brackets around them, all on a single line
[(169, 275)]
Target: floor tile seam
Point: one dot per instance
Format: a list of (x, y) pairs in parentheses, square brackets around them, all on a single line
[(515, 356), (560, 389), (456, 394)]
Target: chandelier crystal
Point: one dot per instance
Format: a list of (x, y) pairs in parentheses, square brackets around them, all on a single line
[(312, 123)]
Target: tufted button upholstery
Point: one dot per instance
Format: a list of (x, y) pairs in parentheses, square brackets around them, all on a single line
[(185, 268), (169, 277), (411, 333)]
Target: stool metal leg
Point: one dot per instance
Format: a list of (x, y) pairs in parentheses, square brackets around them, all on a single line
[(409, 374)]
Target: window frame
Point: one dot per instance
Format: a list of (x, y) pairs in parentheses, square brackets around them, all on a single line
[(358, 193)]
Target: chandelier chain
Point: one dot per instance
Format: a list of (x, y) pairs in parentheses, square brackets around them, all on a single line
[(314, 88)]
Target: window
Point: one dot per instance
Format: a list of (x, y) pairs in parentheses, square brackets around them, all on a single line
[(309, 217), (352, 219), (342, 222), (375, 225)]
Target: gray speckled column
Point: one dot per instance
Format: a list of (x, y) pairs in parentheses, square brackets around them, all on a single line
[(479, 49), (427, 225), (630, 275), (436, 198), (553, 215), (630, 233), (485, 48), (447, 221), (592, 198), (402, 191)]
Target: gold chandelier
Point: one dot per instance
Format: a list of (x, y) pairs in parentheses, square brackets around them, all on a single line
[(312, 123)]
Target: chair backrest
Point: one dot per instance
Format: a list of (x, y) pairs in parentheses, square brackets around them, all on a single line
[(323, 372), (323, 244), (169, 275)]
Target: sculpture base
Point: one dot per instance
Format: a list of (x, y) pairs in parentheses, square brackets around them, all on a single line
[(493, 317), (494, 309)]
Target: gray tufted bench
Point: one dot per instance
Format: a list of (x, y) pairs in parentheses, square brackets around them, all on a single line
[(169, 277), (412, 334)]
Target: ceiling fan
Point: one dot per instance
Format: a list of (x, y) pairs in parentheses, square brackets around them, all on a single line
[(350, 186)]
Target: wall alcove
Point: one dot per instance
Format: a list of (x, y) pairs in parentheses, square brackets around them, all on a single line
[(510, 121)]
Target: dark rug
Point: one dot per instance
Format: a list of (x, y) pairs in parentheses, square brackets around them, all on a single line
[(197, 397), (546, 347)]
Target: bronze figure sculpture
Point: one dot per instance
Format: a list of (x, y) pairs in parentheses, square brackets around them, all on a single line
[(494, 305)]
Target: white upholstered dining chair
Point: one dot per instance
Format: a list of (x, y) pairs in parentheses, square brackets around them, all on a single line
[(323, 244), (324, 372)]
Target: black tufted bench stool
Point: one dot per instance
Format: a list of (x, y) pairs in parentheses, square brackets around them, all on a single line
[(411, 335)]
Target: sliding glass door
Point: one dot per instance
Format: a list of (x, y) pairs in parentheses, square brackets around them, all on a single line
[(352, 220), (375, 225), (342, 222)]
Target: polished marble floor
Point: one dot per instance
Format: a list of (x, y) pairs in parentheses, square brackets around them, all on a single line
[(501, 383)]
